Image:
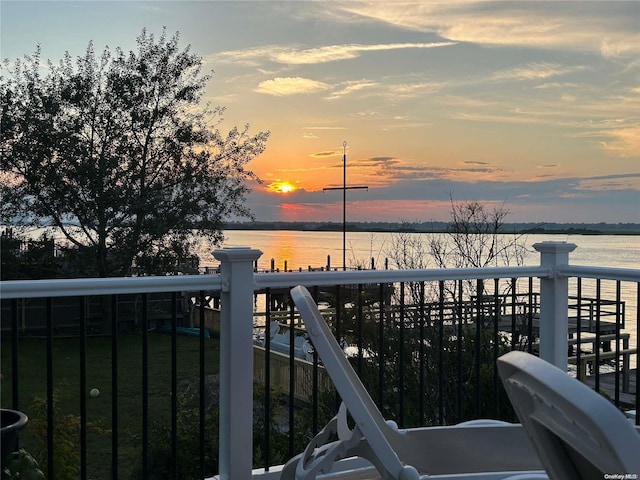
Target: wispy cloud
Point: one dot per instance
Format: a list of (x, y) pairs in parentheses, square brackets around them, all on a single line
[(385, 170), (496, 118), (284, 86), (470, 162), (580, 26), (324, 127), (351, 87), (552, 85), (330, 153), (629, 181), (310, 56), (536, 71), (412, 89), (624, 142)]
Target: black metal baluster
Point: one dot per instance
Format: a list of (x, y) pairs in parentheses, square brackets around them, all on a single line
[(441, 353), (174, 385), (14, 354), (401, 358), (421, 391), (637, 402), (479, 322), (145, 385), (617, 352), (267, 379), (360, 320), (497, 313), (381, 348), (459, 348), (530, 318), (579, 329), (597, 348), (83, 388), (514, 299), (50, 409), (201, 436), (114, 387), (338, 328)]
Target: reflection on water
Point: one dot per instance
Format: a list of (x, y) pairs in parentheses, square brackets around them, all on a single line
[(303, 249)]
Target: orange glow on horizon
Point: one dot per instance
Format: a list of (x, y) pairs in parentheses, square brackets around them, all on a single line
[(365, 211)]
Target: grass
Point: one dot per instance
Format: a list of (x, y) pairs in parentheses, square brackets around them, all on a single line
[(66, 380)]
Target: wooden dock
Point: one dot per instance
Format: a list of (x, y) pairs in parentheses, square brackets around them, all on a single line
[(608, 387), (606, 327)]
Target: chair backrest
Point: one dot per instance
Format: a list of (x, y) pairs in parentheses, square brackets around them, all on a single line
[(576, 432), (361, 406)]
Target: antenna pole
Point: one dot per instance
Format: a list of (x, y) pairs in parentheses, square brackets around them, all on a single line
[(344, 205), (344, 189)]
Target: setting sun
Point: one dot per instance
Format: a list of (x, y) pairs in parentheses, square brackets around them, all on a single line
[(281, 187)]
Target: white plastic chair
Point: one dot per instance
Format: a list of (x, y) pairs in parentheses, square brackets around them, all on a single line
[(576, 432), (479, 449)]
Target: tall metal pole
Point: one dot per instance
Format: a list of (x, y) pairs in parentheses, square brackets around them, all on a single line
[(344, 189), (344, 206)]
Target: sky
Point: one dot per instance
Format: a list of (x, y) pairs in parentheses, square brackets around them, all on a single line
[(529, 106)]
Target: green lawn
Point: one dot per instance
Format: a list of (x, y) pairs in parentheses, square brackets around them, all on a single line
[(66, 374)]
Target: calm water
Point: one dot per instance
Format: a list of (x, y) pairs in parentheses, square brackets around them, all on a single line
[(303, 249)]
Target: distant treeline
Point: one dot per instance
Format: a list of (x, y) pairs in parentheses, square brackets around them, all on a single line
[(440, 227)]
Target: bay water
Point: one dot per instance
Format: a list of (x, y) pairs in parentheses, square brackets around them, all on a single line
[(303, 249)]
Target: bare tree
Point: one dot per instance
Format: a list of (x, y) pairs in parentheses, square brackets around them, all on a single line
[(476, 237), (453, 317)]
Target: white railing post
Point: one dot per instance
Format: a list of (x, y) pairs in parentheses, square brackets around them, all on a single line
[(554, 303), (236, 361)]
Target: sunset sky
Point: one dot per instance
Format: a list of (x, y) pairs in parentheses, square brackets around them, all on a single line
[(531, 104)]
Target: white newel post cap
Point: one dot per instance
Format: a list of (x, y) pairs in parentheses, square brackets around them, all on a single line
[(237, 254), (554, 253), (554, 246)]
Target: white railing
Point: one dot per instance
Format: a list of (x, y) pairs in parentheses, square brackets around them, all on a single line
[(237, 283)]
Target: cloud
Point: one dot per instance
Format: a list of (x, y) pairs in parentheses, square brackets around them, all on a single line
[(536, 71), (383, 159), (325, 127), (284, 86), (619, 47), (412, 89), (624, 142), (388, 170), (550, 85), (330, 153), (312, 56), (470, 162), (334, 53), (579, 26), (350, 87), (497, 118)]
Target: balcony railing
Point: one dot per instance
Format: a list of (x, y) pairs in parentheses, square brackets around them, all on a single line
[(423, 341)]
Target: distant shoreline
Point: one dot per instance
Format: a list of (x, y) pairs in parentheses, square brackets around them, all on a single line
[(441, 227)]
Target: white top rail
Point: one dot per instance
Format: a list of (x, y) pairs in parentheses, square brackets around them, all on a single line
[(181, 283), (604, 273), (107, 286)]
